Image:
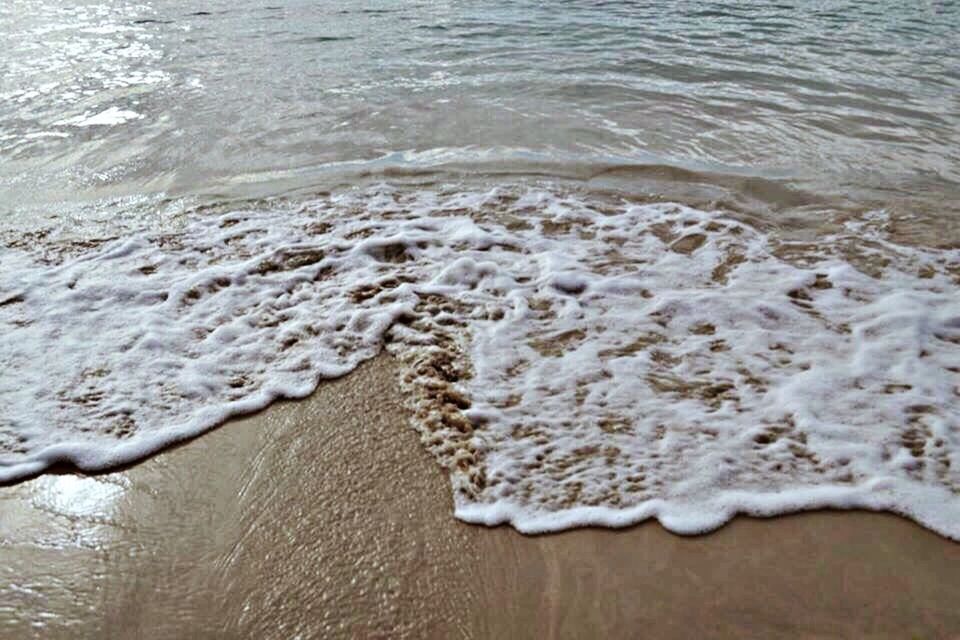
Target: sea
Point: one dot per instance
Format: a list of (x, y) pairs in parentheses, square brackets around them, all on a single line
[(637, 259)]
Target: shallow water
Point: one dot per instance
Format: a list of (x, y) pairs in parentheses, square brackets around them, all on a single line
[(203, 211), (108, 99)]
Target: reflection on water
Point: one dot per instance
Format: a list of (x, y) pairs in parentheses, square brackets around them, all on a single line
[(111, 98), (62, 512), (77, 496), (71, 74)]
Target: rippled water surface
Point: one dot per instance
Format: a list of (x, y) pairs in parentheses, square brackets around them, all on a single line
[(107, 99)]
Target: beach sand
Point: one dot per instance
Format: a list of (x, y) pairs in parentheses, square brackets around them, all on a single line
[(325, 518)]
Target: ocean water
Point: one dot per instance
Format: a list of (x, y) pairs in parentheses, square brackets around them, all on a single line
[(637, 260)]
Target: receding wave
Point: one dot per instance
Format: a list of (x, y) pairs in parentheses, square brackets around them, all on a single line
[(571, 357)]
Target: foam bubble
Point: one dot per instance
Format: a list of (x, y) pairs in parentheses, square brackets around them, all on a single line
[(107, 117), (570, 359)]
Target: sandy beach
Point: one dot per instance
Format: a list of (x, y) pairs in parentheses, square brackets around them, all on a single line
[(560, 265), (325, 518)]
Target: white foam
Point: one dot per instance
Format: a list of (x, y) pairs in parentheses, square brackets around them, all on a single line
[(629, 361), (36, 135), (105, 118)]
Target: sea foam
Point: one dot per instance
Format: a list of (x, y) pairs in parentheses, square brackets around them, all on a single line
[(570, 359)]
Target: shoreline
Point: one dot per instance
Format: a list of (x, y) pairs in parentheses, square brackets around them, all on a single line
[(325, 517)]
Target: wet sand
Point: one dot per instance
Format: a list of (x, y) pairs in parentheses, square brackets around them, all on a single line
[(325, 518)]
